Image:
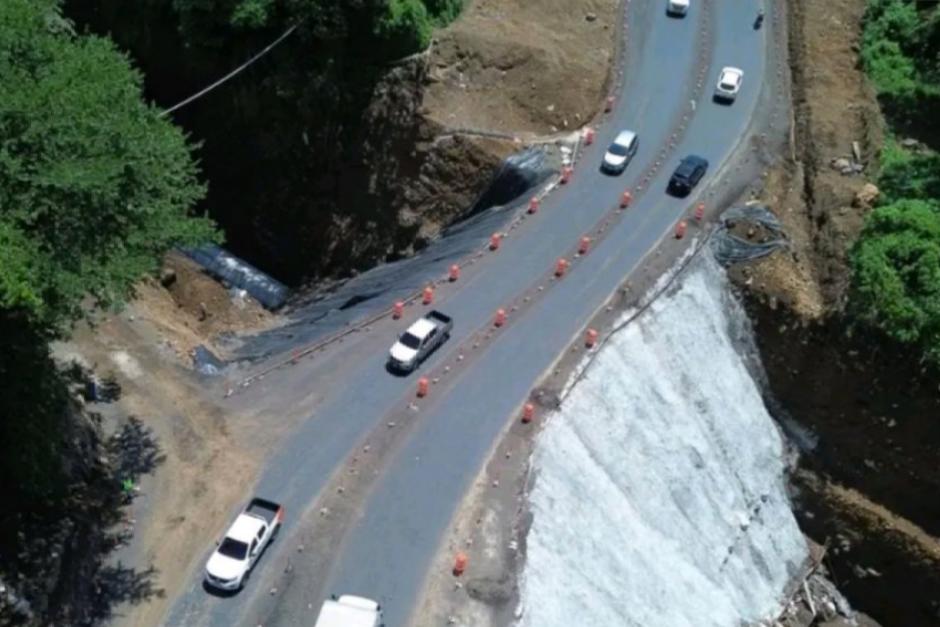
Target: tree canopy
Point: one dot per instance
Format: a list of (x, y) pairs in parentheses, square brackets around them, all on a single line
[(94, 185), (897, 274)]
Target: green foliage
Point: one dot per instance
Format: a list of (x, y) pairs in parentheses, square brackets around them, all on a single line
[(900, 52), (444, 11), (94, 185), (896, 260), (249, 14), (908, 175), (896, 267), (405, 28)]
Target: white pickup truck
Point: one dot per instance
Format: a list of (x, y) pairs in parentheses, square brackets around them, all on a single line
[(349, 611), (421, 338), (236, 554)]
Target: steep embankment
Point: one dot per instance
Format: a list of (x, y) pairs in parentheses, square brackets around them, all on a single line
[(326, 157), (660, 491), (869, 487)]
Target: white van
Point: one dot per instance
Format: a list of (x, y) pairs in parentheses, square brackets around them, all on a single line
[(349, 611), (677, 7)]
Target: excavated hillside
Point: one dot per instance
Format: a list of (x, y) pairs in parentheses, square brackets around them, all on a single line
[(869, 486)]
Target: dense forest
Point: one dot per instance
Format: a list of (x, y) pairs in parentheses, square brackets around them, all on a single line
[(896, 261)]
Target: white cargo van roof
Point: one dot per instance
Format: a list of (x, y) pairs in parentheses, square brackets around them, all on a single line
[(349, 611)]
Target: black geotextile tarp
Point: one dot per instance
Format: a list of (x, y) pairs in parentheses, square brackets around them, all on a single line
[(315, 316), (234, 271)]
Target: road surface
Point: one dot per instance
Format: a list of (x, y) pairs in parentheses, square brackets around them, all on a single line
[(385, 551)]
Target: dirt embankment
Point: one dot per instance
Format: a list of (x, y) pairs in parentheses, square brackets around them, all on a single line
[(870, 485), (438, 125)]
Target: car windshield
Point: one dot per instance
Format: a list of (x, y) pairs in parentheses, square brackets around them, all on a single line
[(728, 83), (233, 548), (617, 149), (410, 341)]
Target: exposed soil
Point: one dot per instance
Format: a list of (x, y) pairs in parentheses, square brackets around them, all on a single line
[(522, 66), (440, 123), (144, 356), (833, 106), (872, 477)]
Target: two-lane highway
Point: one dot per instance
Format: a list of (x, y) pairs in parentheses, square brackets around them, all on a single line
[(386, 553), (411, 508)]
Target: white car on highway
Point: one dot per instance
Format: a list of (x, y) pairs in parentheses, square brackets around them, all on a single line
[(419, 341), (620, 152), (677, 8), (729, 84)]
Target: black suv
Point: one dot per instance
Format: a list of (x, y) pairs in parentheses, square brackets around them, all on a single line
[(690, 171)]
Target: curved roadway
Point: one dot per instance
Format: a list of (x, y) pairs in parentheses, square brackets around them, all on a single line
[(386, 552)]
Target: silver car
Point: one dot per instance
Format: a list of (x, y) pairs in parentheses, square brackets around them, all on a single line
[(620, 152)]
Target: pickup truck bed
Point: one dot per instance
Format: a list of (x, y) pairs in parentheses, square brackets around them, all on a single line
[(443, 319), (266, 510)]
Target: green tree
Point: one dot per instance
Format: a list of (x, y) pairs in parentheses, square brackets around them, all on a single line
[(907, 174), (896, 265), (94, 185), (405, 28)]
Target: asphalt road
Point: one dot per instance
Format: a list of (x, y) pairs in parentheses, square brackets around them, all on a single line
[(386, 552)]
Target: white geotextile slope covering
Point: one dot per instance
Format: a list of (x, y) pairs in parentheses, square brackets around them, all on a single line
[(659, 494)]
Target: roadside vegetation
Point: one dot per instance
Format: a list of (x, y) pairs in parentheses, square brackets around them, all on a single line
[(291, 134), (95, 187), (896, 261)]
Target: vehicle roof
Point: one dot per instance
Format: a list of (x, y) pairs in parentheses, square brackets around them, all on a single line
[(690, 160), (624, 137), (421, 328), (245, 528), (340, 614)]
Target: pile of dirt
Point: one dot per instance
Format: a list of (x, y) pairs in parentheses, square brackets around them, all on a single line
[(188, 308), (522, 66), (869, 486)]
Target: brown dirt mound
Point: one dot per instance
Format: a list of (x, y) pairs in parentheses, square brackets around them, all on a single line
[(193, 308), (519, 66)]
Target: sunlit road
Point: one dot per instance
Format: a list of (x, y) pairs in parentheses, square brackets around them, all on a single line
[(386, 551)]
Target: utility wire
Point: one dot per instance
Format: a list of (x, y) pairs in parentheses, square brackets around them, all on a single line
[(234, 72)]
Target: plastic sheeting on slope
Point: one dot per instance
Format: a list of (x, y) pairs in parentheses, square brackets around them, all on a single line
[(659, 493), (375, 290), (227, 267)]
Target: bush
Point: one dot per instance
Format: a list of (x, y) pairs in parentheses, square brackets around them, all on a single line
[(908, 175), (444, 11), (406, 27), (896, 265), (94, 185)]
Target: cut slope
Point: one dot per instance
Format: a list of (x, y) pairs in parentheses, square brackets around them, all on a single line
[(659, 496)]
